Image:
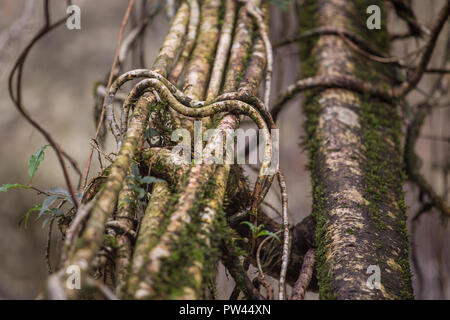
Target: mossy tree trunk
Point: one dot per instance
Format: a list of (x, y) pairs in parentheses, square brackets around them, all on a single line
[(354, 144)]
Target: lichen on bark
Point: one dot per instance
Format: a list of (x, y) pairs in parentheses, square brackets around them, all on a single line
[(355, 161)]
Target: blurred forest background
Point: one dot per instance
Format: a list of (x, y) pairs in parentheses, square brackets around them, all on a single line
[(58, 83)]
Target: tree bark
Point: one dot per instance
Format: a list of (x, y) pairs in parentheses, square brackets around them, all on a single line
[(354, 144)]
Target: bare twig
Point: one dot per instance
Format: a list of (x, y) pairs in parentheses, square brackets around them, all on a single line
[(324, 82), (48, 247), (435, 138), (94, 144), (413, 163), (436, 29), (75, 227), (299, 290), (331, 30), (110, 79), (257, 281), (237, 271), (285, 255), (406, 13), (258, 255), (364, 87)]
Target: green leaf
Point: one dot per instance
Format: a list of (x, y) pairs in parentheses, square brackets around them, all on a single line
[(63, 194), (35, 161), (135, 171), (55, 212), (260, 227), (268, 233), (46, 220), (150, 179), (36, 207), (143, 203), (252, 227), (151, 133), (141, 193), (47, 203), (9, 186)]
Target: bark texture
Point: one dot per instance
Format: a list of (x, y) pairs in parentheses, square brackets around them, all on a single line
[(355, 160)]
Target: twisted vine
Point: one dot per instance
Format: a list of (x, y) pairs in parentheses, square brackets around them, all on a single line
[(196, 109)]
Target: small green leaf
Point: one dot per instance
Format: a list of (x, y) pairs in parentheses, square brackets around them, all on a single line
[(135, 170), (260, 227), (57, 212), (141, 193), (46, 220), (47, 203), (35, 161), (9, 186), (150, 179), (151, 133), (251, 226), (63, 194), (268, 233), (143, 203), (36, 207), (54, 212)]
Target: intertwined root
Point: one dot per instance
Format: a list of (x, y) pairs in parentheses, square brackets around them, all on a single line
[(109, 211), (178, 101)]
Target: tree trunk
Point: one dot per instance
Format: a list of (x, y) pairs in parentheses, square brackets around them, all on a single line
[(354, 143)]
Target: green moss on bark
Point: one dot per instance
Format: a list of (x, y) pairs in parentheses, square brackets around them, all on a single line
[(192, 245), (382, 168)]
